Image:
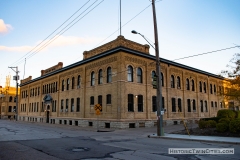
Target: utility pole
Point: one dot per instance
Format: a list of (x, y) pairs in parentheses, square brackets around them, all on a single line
[(16, 78), (158, 73)]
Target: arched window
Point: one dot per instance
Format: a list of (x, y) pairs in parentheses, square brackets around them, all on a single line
[(79, 81), (178, 83), (100, 76), (204, 87), (92, 78), (68, 82), (109, 74), (62, 85), (200, 86), (139, 75), (130, 74), (162, 79), (211, 89), (172, 82), (187, 84), (73, 82), (193, 85)]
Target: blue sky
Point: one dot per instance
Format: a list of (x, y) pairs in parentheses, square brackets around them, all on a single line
[(185, 27)]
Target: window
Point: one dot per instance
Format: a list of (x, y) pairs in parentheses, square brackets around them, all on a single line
[(178, 83), (78, 105), (62, 85), (130, 103), (140, 103), (38, 91), (163, 106), (91, 100), (221, 104), (173, 105), (92, 79), (204, 87), (179, 105), (109, 99), (68, 82), (162, 79), (62, 103), (201, 105), (214, 89), (200, 86), (206, 109), (172, 82), (189, 105), (10, 99), (73, 81), (130, 74), (212, 104), (211, 89), (154, 103), (194, 105), (9, 108), (100, 102), (216, 104), (72, 105), (79, 82), (56, 87), (187, 84), (66, 105), (153, 74), (193, 86), (52, 106), (109, 75), (100, 76), (139, 75)]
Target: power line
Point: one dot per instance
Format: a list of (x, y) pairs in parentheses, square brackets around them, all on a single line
[(206, 53), (51, 33)]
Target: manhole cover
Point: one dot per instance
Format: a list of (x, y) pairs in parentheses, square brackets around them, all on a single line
[(80, 149)]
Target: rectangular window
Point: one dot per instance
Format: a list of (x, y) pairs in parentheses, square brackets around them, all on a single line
[(78, 104), (140, 103), (91, 100), (109, 99), (66, 105), (194, 105), (201, 104), (179, 105), (154, 103), (72, 105), (100, 101), (173, 105), (130, 103), (216, 104), (62, 104), (189, 105)]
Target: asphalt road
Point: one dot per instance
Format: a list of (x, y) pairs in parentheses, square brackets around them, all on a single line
[(41, 141)]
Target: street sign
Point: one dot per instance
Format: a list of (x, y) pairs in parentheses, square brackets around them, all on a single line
[(98, 108)]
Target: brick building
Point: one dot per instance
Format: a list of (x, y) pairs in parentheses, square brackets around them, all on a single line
[(118, 76)]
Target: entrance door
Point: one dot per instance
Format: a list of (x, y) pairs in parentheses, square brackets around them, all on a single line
[(47, 120)]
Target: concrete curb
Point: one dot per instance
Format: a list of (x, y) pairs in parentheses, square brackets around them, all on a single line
[(198, 140)]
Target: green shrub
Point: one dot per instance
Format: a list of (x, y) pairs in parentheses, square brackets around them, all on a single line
[(211, 118), (224, 120), (202, 124), (238, 114), (222, 127), (211, 124), (225, 113), (234, 126)]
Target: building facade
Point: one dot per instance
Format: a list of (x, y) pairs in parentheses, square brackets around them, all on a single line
[(118, 76)]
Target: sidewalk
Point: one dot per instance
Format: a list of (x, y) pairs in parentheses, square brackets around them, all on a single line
[(216, 139)]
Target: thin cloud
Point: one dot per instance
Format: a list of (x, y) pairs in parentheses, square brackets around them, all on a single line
[(61, 41), (4, 28)]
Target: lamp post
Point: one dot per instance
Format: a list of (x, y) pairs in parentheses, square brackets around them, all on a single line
[(158, 74)]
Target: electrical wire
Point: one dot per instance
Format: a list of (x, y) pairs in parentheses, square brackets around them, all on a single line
[(51, 33), (206, 53)]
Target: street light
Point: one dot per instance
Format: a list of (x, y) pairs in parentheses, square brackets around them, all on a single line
[(158, 74)]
